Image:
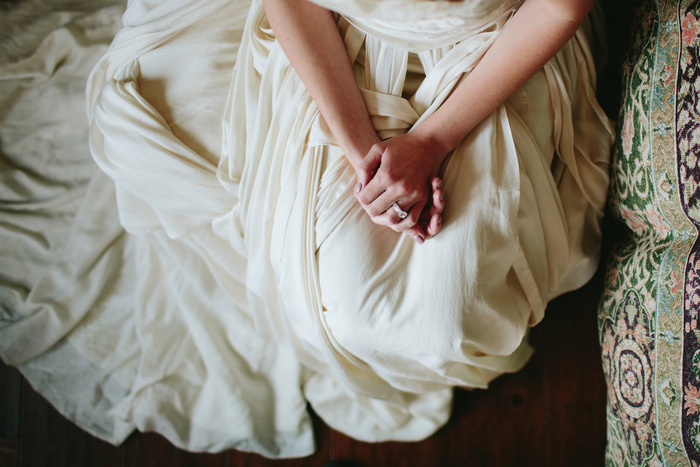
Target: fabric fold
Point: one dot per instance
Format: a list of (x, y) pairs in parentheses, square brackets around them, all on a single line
[(224, 276)]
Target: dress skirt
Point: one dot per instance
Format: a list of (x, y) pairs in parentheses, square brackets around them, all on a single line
[(242, 280)]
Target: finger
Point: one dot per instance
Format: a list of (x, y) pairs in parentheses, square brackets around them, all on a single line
[(418, 233), (370, 193), (418, 230), (392, 219), (433, 226), (368, 167), (430, 220), (438, 194), (387, 219), (411, 220), (434, 223), (384, 203)]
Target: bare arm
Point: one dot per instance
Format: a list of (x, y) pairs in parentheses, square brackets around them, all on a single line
[(309, 37), (401, 168), (535, 33), (404, 169)]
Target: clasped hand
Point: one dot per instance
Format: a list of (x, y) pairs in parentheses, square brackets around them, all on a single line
[(403, 170)]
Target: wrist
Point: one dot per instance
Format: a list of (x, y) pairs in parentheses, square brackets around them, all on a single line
[(357, 147), (434, 145)]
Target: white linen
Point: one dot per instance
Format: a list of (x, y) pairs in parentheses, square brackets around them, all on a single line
[(250, 281)]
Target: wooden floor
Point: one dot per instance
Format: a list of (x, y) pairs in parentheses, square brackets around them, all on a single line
[(551, 413)]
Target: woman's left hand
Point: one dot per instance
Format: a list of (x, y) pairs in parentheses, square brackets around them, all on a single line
[(400, 175)]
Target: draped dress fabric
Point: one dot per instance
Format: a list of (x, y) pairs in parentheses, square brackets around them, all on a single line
[(257, 283)]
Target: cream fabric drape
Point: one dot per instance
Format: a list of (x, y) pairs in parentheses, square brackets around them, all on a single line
[(251, 282)]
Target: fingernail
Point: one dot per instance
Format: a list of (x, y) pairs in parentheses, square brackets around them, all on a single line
[(419, 240), (442, 197), (439, 219), (439, 183), (358, 187)]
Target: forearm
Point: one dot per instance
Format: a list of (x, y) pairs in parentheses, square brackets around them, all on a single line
[(529, 39), (310, 38)]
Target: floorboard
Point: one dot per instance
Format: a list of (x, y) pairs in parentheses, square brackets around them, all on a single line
[(550, 413), (48, 439)]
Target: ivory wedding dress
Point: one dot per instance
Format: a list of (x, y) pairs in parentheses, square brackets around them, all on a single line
[(251, 281)]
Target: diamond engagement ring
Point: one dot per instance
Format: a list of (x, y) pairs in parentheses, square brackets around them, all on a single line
[(402, 214)]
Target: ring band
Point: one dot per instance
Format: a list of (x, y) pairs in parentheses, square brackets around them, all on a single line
[(402, 214)]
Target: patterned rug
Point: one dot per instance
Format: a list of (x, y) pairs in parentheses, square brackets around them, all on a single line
[(648, 317)]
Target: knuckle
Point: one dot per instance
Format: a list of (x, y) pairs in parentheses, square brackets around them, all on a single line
[(389, 178), (404, 186), (372, 211), (404, 225)]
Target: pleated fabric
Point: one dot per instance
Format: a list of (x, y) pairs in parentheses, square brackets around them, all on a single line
[(254, 283)]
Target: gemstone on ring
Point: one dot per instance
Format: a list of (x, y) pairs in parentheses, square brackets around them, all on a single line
[(402, 214)]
